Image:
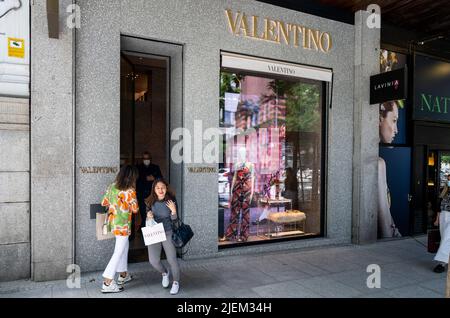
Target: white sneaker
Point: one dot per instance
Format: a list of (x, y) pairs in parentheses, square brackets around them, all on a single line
[(112, 288), (165, 280), (175, 288), (122, 280)]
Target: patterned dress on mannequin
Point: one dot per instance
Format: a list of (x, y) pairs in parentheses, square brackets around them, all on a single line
[(240, 203)]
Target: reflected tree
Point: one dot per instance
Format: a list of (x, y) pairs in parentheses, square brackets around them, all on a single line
[(303, 128)]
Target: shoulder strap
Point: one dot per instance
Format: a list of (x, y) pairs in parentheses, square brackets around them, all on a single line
[(181, 253)]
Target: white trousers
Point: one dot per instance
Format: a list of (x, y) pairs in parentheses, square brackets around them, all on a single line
[(444, 247), (119, 260)]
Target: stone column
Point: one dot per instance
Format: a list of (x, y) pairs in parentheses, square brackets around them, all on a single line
[(52, 142), (365, 141)]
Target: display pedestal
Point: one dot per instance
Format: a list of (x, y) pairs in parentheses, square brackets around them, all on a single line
[(285, 233)]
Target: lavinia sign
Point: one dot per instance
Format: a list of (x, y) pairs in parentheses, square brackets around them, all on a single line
[(388, 86), (276, 31)]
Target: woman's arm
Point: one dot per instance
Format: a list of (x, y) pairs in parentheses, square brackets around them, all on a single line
[(232, 187), (444, 191), (252, 175), (105, 199), (173, 209), (436, 221), (148, 209), (384, 213), (134, 206)]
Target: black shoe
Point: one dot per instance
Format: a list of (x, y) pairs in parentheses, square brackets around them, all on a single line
[(439, 268)]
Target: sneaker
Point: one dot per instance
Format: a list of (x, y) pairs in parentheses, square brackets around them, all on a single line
[(111, 288), (165, 280), (175, 288), (439, 268), (122, 280)]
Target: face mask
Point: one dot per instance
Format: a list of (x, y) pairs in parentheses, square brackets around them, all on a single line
[(448, 183), (147, 162)]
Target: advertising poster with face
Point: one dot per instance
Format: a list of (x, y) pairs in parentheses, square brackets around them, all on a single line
[(393, 113), (393, 179)]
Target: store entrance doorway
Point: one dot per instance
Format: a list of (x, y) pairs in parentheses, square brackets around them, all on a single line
[(150, 108), (143, 129), (438, 164)]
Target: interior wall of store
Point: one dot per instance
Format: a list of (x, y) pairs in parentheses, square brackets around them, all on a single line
[(201, 27)]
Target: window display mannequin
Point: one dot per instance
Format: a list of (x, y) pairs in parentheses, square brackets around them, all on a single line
[(242, 188)]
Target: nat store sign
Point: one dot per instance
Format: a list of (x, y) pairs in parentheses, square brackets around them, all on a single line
[(388, 86), (431, 89)]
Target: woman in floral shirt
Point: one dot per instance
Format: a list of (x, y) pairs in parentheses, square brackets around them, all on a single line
[(121, 202)]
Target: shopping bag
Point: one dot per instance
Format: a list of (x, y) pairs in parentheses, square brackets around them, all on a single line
[(153, 233), (434, 239), (101, 226)]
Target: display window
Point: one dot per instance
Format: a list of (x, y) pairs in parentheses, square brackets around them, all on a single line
[(271, 176)]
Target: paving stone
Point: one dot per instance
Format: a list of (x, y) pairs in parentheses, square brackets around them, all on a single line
[(414, 292), (285, 290), (328, 287)]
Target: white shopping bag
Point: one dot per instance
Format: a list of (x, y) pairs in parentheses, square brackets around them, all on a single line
[(153, 233)]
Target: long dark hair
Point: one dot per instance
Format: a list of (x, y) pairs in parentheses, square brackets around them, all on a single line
[(152, 198), (126, 178)]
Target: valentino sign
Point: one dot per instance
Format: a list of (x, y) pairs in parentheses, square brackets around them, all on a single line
[(275, 31)]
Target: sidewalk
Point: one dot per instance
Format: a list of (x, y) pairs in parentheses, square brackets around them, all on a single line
[(406, 271)]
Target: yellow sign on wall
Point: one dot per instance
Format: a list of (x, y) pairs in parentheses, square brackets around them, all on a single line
[(16, 48)]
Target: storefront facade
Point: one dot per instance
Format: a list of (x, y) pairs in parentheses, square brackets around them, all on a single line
[(417, 156), (77, 108)]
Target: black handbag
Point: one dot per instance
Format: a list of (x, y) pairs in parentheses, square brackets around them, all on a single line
[(181, 233), (434, 239)]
